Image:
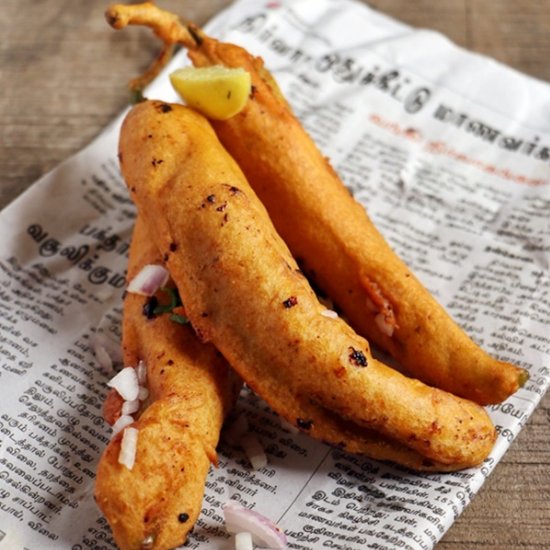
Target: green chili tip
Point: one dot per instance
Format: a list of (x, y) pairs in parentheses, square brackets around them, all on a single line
[(136, 96)]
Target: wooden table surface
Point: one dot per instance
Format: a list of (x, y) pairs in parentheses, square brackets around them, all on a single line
[(63, 75)]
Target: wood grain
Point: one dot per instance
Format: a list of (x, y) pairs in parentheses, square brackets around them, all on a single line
[(63, 75)]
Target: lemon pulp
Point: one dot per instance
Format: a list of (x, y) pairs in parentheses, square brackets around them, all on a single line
[(217, 92)]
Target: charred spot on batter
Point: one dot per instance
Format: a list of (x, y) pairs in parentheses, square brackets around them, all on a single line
[(234, 190), (119, 157), (357, 357), (253, 91), (170, 362), (183, 517), (156, 162), (164, 107), (173, 246), (339, 372), (149, 307), (204, 314), (165, 257), (112, 18), (211, 199), (304, 424), (290, 302), (435, 427), (222, 207)]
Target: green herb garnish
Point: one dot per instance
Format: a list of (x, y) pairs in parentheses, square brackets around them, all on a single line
[(175, 301), (180, 319)]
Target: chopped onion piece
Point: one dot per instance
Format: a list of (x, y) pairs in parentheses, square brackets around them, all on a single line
[(254, 451), (110, 345), (149, 280), (141, 371), (130, 407), (243, 541), (128, 446), (383, 325), (126, 384), (104, 294), (233, 433), (104, 360), (288, 426), (143, 393), (329, 313), (122, 422), (264, 532)]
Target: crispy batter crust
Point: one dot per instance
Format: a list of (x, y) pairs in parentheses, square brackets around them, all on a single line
[(243, 292), (191, 389)]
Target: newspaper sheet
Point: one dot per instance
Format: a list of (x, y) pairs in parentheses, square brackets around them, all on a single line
[(454, 173)]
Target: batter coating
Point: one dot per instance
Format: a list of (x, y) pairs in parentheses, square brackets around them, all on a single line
[(337, 244), (156, 503), (243, 291)]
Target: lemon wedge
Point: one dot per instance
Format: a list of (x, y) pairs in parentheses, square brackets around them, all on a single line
[(217, 92)]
